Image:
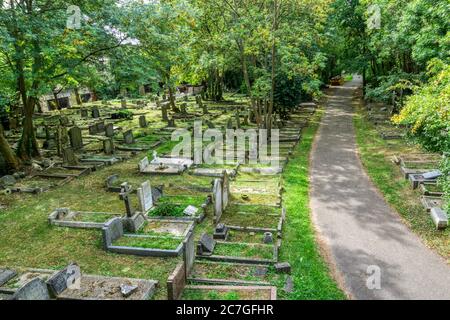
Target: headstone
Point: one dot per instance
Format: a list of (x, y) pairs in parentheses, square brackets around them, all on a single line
[(7, 181), (142, 122), (68, 278), (76, 138), (125, 191), (283, 267), (225, 190), (36, 289), (93, 129), (110, 181), (123, 103), (221, 232), (217, 200), (101, 127), (440, 218), (143, 164), (289, 285), (95, 113), (6, 275), (206, 245), (145, 197), (108, 146), (128, 137), (268, 238), (69, 157), (191, 211), (109, 130), (127, 290), (432, 175)]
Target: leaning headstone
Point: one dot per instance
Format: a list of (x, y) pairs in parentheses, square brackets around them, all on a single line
[(101, 127), (35, 289), (143, 122), (217, 200), (108, 146), (95, 113), (64, 121), (109, 130), (76, 138), (145, 197), (128, 137), (283, 267), (69, 157), (125, 191), (206, 245), (68, 278), (6, 275), (84, 113), (440, 218)]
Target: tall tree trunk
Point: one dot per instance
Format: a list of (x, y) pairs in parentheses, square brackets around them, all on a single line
[(28, 146), (172, 100), (12, 163)]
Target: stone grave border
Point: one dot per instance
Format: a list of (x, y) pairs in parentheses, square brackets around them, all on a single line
[(56, 218), (425, 202), (114, 230), (273, 290), (426, 192)]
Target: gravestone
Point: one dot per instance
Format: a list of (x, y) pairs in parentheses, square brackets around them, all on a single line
[(289, 285), (110, 181), (439, 217), (125, 191), (35, 289), (189, 253), (225, 190), (68, 278), (101, 127), (69, 157), (221, 232), (109, 130), (143, 122), (143, 164), (95, 113), (93, 129), (108, 146), (206, 245), (145, 197), (84, 113), (283, 267), (128, 137), (6, 275), (217, 200), (432, 175), (268, 238), (190, 211), (123, 103)]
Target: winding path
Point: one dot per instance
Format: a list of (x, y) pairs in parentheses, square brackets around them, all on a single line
[(357, 227)]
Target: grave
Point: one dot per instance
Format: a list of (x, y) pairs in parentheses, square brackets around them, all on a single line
[(128, 137), (143, 122), (95, 113), (221, 232), (66, 218), (206, 245), (108, 146), (69, 157), (6, 275), (35, 289), (84, 113), (76, 138), (109, 130), (164, 165), (145, 197), (248, 292), (432, 202), (217, 197), (427, 177), (439, 217)]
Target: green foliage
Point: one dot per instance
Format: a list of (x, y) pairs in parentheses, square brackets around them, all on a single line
[(288, 91), (122, 114), (167, 210)]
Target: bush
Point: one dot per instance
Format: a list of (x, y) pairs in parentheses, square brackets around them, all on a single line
[(123, 114)]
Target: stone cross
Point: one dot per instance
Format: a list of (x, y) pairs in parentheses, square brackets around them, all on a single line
[(125, 191)]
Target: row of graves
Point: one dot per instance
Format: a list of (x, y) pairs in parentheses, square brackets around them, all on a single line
[(421, 170), (221, 224)]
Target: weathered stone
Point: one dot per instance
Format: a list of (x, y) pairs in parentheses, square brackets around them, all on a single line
[(76, 138), (7, 181), (221, 232), (432, 175), (440, 218), (128, 137), (191, 211), (83, 113), (95, 113), (108, 146), (6, 275), (283, 267), (69, 157), (109, 130), (145, 197), (289, 285), (143, 122), (206, 245), (261, 271), (35, 289), (268, 238), (127, 290), (68, 278)]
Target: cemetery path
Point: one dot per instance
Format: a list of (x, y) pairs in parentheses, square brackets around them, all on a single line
[(358, 229)]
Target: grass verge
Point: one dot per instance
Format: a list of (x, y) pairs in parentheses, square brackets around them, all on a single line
[(376, 154), (312, 279)]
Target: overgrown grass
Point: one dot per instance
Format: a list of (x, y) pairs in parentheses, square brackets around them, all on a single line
[(312, 280), (376, 155)]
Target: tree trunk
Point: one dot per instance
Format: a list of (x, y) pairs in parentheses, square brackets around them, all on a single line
[(28, 146), (12, 163), (172, 100), (77, 97)]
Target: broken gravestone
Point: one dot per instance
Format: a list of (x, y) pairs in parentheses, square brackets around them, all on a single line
[(283, 267), (206, 245), (36, 289), (68, 278)]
